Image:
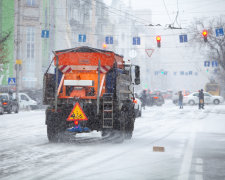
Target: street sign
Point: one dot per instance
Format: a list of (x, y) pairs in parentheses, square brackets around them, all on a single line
[(206, 63), (219, 32), (45, 33), (18, 61), (136, 40), (132, 53), (183, 38), (214, 63), (11, 81), (109, 40), (77, 114), (82, 37)]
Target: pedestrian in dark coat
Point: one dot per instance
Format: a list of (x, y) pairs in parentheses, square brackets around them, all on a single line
[(201, 99), (144, 98), (180, 100)]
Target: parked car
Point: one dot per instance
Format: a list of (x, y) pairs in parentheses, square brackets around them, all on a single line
[(1, 108), (175, 96), (155, 98), (25, 102), (9, 104), (137, 107), (167, 94), (152, 98), (208, 99)]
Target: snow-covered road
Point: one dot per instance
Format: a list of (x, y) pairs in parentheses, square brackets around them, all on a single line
[(25, 152)]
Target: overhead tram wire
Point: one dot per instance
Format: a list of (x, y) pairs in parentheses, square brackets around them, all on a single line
[(146, 23), (174, 34), (121, 11)]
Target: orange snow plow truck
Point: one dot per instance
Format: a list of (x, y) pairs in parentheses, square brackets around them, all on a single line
[(90, 89)]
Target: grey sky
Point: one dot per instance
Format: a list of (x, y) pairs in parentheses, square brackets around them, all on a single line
[(164, 11)]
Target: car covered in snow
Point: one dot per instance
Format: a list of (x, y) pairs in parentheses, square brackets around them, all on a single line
[(193, 99)]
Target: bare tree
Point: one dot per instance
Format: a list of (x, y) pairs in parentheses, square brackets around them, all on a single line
[(3, 50), (214, 47)]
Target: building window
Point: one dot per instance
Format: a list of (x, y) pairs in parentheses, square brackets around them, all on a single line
[(30, 43), (30, 2), (30, 56)]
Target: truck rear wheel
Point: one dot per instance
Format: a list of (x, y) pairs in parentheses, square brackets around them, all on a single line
[(55, 127), (53, 134), (129, 126)]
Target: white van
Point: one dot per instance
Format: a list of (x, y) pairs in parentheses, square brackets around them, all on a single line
[(25, 102)]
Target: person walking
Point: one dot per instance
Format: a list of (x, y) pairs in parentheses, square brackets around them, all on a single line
[(180, 100), (144, 98), (201, 99)]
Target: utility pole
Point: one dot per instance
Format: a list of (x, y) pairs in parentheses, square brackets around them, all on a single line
[(18, 55)]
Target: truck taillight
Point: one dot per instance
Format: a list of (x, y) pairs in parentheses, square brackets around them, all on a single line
[(135, 101), (156, 97)]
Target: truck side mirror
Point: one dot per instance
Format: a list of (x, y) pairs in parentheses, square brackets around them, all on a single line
[(137, 75)]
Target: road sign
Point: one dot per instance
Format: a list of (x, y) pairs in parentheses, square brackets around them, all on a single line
[(82, 37), (206, 63), (214, 63), (11, 81), (219, 32), (77, 114), (136, 40), (18, 61), (132, 53), (45, 33), (109, 40), (183, 38)]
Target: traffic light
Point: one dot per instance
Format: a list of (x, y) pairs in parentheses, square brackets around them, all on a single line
[(158, 39), (104, 45), (205, 34)]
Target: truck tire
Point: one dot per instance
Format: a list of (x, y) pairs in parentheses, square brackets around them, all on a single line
[(55, 128), (129, 124), (53, 134), (129, 129), (9, 110), (17, 109), (116, 135)]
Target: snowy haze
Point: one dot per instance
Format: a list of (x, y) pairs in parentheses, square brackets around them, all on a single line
[(188, 9), (173, 56), (25, 152)]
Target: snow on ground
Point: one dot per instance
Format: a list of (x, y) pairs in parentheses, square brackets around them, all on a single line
[(25, 152)]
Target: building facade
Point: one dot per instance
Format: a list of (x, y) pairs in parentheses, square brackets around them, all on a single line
[(7, 26)]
